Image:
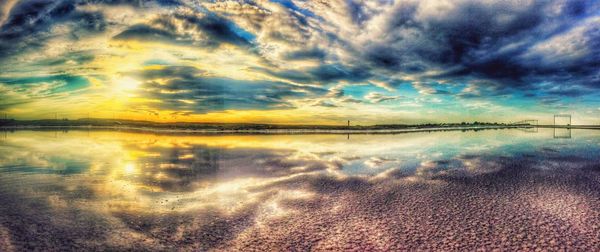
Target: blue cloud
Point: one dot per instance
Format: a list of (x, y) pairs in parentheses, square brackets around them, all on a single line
[(215, 94), (65, 82)]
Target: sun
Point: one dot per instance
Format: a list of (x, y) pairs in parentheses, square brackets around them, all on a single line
[(129, 168), (126, 84)]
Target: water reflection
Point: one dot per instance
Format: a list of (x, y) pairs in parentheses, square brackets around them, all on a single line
[(562, 132), (123, 190)]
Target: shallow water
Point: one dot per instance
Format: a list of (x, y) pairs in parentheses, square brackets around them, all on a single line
[(512, 189)]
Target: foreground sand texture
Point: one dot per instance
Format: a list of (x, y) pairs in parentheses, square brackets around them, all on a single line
[(487, 190)]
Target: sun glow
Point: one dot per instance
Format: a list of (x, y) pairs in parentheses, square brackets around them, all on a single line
[(129, 168), (126, 84)]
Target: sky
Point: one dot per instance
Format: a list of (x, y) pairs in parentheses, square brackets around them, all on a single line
[(301, 61)]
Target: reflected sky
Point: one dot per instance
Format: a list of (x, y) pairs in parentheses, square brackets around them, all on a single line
[(123, 190)]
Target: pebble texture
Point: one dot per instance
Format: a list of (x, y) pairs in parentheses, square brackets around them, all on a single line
[(516, 207)]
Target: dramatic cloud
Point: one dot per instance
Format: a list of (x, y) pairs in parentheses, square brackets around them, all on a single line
[(185, 88), (205, 30), (196, 57)]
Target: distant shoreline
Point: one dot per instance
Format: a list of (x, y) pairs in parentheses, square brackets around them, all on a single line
[(275, 131), (233, 128)]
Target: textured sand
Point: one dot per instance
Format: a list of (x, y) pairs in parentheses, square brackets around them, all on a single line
[(517, 207)]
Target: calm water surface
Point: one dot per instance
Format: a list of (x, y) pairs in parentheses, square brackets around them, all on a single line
[(512, 189)]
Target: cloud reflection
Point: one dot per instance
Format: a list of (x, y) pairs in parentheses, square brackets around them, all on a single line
[(142, 190)]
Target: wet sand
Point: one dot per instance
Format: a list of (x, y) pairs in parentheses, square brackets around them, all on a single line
[(515, 208), (541, 199), (508, 210)]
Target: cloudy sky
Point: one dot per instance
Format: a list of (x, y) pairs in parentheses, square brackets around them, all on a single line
[(301, 61)]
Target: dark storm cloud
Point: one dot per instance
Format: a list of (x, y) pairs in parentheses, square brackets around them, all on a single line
[(324, 74), (188, 89), (28, 24), (179, 72), (331, 73), (312, 53), (492, 41), (501, 46), (138, 3), (145, 32), (357, 12), (571, 92), (215, 29)]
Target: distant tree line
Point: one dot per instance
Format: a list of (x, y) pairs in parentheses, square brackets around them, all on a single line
[(222, 126)]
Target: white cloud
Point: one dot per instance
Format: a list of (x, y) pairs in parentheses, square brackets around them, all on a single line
[(565, 47), (375, 97)]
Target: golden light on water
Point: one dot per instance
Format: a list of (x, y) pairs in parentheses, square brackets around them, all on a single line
[(129, 168)]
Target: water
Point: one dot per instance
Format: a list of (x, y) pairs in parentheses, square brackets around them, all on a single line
[(512, 189)]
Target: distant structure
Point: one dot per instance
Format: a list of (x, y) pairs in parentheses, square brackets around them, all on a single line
[(562, 116), (348, 123), (529, 125), (526, 122)]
